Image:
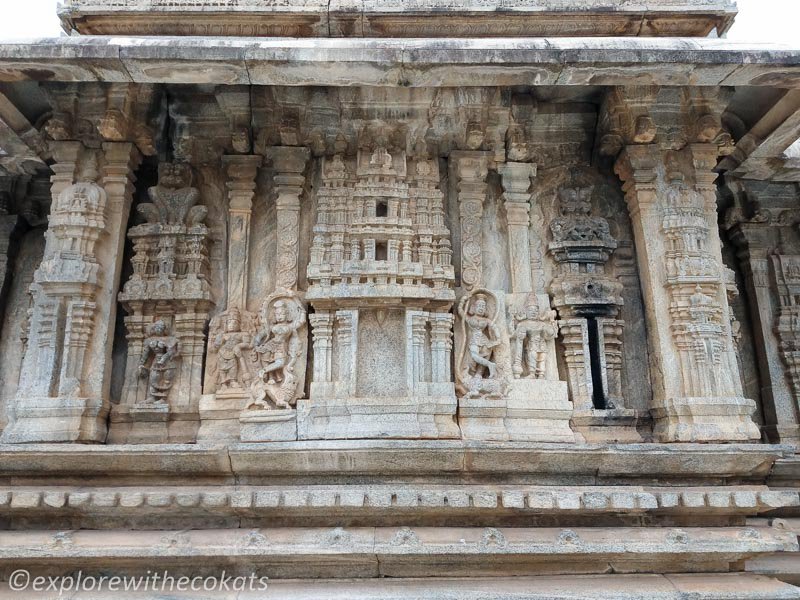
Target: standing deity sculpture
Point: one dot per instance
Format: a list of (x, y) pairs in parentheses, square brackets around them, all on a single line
[(477, 367), (279, 352), (159, 362), (231, 344), (531, 331)]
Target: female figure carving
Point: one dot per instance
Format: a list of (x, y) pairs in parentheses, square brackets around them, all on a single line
[(161, 352)]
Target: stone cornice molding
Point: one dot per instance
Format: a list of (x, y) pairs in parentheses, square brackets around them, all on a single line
[(407, 63)]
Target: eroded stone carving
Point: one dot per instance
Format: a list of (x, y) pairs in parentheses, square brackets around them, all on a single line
[(587, 298), (676, 214), (531, 331), (231, 341), (62, 392), (159, 363)]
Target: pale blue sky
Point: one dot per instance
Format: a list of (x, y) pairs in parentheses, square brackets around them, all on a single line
[(758, 21)]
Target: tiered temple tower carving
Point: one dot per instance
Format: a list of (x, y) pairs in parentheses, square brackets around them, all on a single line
[(381, 285)]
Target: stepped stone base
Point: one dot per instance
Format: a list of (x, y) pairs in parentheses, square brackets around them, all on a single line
[(604, 587)]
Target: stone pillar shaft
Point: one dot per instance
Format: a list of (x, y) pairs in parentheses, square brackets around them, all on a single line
[(441, 347), (347, 347), (516, 179), (471, 170), (289, 165), (322, 331), (66, 374), (241, 184), (780, 407), (697, 393)]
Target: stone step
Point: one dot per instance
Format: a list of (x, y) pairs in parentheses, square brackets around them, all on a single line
[(733, 586), (783, 566), (395, 551)]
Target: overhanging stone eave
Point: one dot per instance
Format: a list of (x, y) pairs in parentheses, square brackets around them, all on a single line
[(405, 63), (410, 18)]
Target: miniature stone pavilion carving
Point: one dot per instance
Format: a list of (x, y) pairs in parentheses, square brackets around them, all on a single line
[(381, 285), (588, 299), (168, 299), (400, 299)]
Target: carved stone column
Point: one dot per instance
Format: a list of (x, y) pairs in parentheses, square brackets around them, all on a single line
[(416, 325), (65, 378), (8, 223), (697, 393), (289, 164), (225, 394), (516, 179), (471, 170), (780, 406), (241, 184)]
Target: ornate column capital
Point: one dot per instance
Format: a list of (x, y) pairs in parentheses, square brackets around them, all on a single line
[(289, 164), (241, 184), (470, 166)]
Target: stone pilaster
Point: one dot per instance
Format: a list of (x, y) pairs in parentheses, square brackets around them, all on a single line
[(516, 178), (697, 393), (241, 184), (66, 373), (347, 344), (322, 332), (441, 347), (289, 165), (416, 325), (471, 170)]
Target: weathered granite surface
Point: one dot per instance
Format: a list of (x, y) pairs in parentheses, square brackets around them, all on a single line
[(415, 63), (394, 299), (399, 18)]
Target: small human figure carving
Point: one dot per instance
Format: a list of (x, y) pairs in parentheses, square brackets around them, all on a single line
[(483, 336), (231, 344), (277, 348), (159, 363), (531, 331)]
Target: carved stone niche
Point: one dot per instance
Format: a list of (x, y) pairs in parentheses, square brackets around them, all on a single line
[(168, 300), (588, 299), (505, 370), (381, 285)]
